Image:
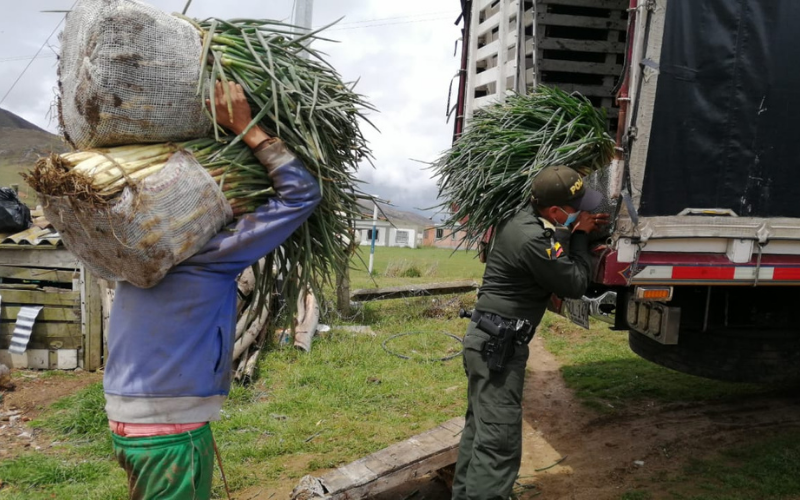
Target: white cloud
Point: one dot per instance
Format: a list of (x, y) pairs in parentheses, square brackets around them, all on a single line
[(402, 52)]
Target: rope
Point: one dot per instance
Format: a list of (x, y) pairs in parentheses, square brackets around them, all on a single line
[(221, 470), (402, 356)]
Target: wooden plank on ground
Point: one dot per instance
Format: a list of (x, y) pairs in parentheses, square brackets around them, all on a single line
[(591, 68), (36, 274), (398, 292), (60, 314), (30, 297), (399, 463), (600, 23)]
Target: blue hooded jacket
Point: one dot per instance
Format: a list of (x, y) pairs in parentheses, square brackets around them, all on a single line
[(170, 347)]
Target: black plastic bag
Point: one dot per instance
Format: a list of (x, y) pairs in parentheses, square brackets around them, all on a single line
[(14, 215)]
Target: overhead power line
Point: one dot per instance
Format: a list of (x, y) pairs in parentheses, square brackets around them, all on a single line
[(44, 44), (364, 24), (381, 19), (375, 25), (25, 58)]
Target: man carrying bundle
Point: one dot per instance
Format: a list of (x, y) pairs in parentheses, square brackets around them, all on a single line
[(170, 347), (525, 265)]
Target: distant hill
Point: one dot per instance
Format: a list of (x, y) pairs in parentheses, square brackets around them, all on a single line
[(394, 215), (10, 120), (21, 144)]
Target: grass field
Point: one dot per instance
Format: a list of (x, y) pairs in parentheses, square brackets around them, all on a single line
[(352, 395)]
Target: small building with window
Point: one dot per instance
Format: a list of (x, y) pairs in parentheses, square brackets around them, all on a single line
[(393, 228), (443, 237)]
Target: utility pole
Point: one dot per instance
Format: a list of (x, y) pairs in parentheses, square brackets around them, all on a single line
[(374, 235), (303, 15)]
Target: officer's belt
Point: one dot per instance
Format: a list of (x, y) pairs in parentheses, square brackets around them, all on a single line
[(494, 318), (522, 328)]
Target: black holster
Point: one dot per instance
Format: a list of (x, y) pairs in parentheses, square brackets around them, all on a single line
[(504, 335)]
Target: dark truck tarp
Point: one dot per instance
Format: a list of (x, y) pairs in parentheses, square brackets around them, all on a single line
[(725, 124)]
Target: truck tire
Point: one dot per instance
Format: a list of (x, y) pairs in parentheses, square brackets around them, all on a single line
[(734, 356)]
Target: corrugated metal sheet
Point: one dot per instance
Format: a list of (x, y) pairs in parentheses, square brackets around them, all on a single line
[(41, 233)]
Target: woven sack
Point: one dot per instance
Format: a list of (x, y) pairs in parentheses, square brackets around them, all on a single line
[(151, 227), (128, 74)]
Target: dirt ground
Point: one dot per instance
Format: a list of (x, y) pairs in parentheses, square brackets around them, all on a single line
[(31, 393), (569, 452)]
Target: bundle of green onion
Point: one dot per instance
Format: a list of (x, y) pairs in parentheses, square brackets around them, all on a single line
[(297, 96), (486, 176)]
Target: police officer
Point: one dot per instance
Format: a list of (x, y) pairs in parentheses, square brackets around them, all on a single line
[(527, 261)]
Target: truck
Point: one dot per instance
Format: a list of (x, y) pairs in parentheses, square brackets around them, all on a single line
[(702, 263)]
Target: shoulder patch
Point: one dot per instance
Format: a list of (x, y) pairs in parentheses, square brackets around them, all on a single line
[(555, 251)]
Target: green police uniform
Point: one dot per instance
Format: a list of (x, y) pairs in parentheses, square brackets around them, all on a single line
[(525, 265)]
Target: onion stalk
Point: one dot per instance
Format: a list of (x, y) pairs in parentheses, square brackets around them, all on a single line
[(300, 98), (485, 177)]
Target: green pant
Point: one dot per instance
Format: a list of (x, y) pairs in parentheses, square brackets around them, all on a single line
[(490, 451), (176, 466)]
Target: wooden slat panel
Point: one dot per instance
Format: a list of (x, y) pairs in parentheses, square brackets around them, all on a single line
[(580, 67), (61, 314), (44, 256), (41, 329), (604, 46), (600, 23), (36, 274), (598, 4), (17, 286), (52, 342), (40, 298), (587, 90), (46, 335), (93, 333)]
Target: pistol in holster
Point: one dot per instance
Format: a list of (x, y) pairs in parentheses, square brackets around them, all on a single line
[(504, 335)]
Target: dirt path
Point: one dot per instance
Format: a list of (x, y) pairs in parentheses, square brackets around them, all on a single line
[(33, 392), (607, 456), (600, 458)]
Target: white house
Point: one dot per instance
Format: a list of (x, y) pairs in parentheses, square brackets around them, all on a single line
[(393, 228)]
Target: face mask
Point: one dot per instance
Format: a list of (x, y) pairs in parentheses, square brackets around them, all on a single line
[(571, 218)]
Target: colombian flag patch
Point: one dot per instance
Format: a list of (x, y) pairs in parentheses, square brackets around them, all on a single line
[(555, 251)]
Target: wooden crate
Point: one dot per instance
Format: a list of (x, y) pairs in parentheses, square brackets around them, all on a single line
[(579, 45), (67, 333)]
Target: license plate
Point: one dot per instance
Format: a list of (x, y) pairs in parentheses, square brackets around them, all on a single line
[(577, 311)]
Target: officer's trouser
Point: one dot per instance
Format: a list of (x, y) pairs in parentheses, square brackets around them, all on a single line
[(490, 451)]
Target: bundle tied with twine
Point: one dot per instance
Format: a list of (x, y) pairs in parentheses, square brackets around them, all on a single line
[(485, 177)]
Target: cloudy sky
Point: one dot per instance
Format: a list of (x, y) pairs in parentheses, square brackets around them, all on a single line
[(403, 53)]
